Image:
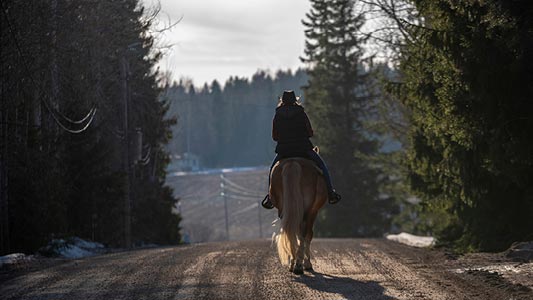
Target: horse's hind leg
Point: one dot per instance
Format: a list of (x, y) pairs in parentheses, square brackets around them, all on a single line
[(291, 264), (307, 258), (298, 262), (293, 260), (307, 242)]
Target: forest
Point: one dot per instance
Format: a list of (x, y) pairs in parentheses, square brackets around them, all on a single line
[(82, 126), (422, 110)]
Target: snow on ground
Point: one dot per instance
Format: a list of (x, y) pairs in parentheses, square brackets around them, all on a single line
[(412, 240), (515, 273), (14, 258), (73, 251), (73, 248), (521, 251), (500, 268), (216, 171)]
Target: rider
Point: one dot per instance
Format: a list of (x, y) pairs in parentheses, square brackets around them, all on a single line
[(291, 129)]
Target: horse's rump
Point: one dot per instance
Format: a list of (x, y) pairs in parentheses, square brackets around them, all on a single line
[(311, 181)]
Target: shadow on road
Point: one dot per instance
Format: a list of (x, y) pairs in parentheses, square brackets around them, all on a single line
[(347, 287)]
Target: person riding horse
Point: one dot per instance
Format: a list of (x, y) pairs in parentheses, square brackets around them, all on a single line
[(291, 129)]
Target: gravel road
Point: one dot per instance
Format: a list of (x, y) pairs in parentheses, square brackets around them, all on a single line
[(344, 269)]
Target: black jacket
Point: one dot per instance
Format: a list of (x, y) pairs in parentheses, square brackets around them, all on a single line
[(291, 129)]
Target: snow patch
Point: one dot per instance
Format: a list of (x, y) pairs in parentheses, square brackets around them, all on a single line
[(86, 244), (520, 251), (412, 240), (14, 258), (217, 171), (72, 248), (73, 251), (504, 269)]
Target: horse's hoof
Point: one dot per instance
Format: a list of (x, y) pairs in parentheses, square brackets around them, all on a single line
[(298, 269)]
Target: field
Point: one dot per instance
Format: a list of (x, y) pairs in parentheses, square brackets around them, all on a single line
[(206, 198)]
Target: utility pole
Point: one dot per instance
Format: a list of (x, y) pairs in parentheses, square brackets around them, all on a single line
[(124, 70), (223, 194), (4, 203), (189, 126), (259, 220)]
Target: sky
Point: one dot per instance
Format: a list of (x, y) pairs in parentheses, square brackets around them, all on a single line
[(216, 39)]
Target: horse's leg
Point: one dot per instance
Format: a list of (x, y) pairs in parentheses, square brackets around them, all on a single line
[(291, 264), (293, 267), (308, 237), (307, 261), (298, 264), (319, 196)]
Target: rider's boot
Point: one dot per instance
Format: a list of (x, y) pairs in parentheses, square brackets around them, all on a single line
[(333, 197), (266, 203)]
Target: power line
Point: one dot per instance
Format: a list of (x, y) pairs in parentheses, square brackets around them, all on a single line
[(244, 198), (242, 194), (91, 113), (195, 195), (240, 188), (146, 159), (80, 121), (245, 209)]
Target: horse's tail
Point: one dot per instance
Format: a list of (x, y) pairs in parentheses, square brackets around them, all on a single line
[(293, 206)]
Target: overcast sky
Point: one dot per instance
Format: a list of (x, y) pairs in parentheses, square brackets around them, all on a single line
[(220, 38)]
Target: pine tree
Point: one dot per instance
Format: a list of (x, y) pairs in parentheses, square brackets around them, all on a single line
[(338, 106)]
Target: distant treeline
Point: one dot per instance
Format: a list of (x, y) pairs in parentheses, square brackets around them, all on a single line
[(229, 126), (68, 68)]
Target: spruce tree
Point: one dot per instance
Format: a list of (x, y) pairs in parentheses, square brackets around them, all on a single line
[(467, 81), (337, 105)]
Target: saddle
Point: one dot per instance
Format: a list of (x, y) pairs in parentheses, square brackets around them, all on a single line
[(296, 158)]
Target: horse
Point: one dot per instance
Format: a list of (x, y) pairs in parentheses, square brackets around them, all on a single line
[(298, 190)]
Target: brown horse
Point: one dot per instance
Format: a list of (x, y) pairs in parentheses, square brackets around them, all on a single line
[(298, 191)]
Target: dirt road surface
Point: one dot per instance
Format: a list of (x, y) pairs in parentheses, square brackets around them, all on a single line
[(344, 269)]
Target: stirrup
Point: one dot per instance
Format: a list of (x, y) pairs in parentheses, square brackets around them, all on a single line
[(266, 203), (333, 197)]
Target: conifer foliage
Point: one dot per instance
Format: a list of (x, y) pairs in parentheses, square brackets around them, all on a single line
[(467, 79), (59, 177), (338, 103)]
